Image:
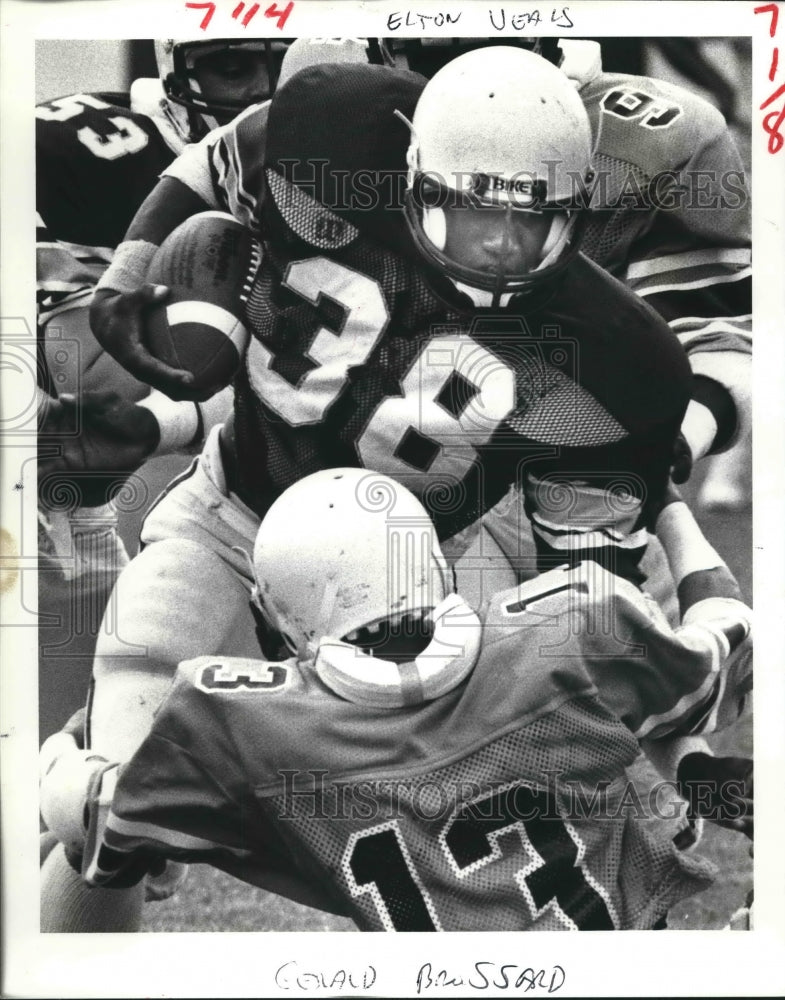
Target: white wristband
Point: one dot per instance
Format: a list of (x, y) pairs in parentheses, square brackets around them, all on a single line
[(65, 779), (217, 408), (128, 270), (179, 422)]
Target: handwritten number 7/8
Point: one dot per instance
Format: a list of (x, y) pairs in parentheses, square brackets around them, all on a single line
[(772, 123)]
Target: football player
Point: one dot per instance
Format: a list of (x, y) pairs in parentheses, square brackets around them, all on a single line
[(98, 155), (671, 220), (685, 250), (574, 377), (413, 767), (670, 217), (364, 350)]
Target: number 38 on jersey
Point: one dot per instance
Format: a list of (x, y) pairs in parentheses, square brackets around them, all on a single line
[(418, 433)]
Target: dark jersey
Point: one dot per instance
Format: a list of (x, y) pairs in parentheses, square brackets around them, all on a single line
[(355, 359), (671, 211), (501, 805), (670, 216), (96, 161)]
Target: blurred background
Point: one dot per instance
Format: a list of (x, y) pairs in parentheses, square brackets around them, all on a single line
[(68, 66), (716, 68)]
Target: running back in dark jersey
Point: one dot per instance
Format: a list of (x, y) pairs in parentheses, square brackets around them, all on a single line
[(361, 357), (670, 214)]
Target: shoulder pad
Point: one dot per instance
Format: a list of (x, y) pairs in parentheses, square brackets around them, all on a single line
[(653, 124)]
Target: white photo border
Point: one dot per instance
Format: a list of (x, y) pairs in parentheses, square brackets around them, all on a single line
[(240, 964)]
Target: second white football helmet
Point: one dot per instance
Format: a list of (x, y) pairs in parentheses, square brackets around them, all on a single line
[(348, 568), (343, 549)]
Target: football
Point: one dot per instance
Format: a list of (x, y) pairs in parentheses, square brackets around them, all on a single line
[(208, 263)]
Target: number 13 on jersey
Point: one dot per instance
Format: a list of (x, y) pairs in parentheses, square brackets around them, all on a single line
[(545, 874)]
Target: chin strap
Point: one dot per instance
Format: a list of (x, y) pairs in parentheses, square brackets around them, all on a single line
[(481, 298), (442, 665), (558, 237)]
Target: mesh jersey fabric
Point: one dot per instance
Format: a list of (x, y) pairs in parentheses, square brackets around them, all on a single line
[(595, 382), (502, 805), (670, 216)]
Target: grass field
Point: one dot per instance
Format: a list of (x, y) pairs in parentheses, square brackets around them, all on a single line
[(212, 901)]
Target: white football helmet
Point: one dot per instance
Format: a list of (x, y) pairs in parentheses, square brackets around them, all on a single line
[(499, 126), (342, 558), (193, 113)]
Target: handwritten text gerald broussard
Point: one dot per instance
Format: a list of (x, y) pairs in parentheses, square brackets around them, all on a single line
[(501, 976), (429, 979), (499, 18)]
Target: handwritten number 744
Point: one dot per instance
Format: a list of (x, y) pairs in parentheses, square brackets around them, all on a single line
[(279, 14)]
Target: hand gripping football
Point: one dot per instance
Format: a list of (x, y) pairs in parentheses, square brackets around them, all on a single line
[(208, 263)]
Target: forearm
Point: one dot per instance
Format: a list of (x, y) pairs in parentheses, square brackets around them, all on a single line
[(712, 613), (168, 204), (698, 570)]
